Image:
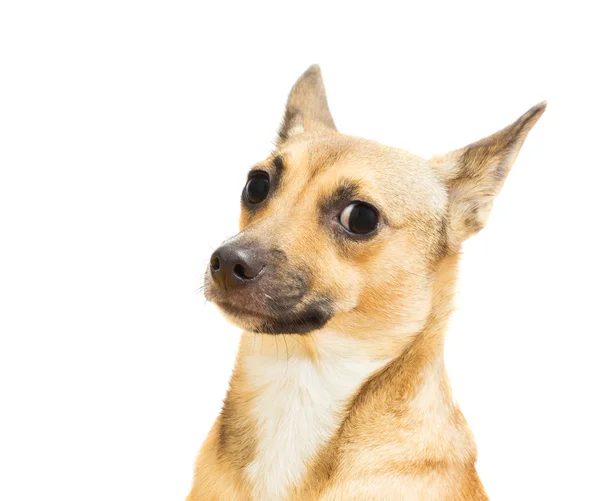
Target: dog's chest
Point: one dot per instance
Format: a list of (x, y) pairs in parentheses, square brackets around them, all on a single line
[(299, 405)]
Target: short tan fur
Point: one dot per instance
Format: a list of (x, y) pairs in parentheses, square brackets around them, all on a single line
[(359, 407)]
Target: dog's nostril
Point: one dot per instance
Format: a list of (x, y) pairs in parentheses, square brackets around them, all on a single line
[(215, 263), (240, 272)]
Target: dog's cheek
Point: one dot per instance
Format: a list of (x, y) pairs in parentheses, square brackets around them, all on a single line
[(395, 283), (338, 280)]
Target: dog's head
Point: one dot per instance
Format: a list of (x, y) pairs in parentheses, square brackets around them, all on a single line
[(347, 232)]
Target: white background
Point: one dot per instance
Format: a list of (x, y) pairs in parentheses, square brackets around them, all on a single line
[(126, 130)]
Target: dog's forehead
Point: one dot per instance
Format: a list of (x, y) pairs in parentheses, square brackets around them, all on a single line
[(391, 178)]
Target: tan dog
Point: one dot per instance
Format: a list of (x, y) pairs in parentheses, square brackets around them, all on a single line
[(342, 278)]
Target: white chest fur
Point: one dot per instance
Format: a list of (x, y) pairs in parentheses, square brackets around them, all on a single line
[(298, 407)]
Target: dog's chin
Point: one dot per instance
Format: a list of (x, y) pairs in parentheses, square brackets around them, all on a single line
[(309, 319)]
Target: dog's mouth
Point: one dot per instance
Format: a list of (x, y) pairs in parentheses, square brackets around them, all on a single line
[(312, 317), (275, 302)]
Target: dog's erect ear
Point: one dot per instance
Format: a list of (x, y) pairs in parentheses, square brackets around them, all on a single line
[(307, 108), (474, 175)]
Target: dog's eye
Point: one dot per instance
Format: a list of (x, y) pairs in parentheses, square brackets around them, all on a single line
[(257, 188), (359, 218)]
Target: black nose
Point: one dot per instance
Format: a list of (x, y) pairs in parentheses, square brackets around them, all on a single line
[(232, 266)]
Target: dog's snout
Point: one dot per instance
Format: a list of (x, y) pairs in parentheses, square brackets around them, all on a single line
[(232, 266)]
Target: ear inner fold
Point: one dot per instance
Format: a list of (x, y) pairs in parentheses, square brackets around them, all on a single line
[(475, 174)]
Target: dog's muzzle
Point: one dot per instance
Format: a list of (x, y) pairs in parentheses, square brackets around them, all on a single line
[(261, 291)]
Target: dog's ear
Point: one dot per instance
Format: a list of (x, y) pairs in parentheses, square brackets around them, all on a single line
[(474, 175), (307, 108)]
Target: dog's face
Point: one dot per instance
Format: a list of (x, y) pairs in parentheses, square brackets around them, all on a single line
[(343, 231)]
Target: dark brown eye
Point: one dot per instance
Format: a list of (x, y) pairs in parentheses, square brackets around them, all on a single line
[(359, 218), (257, 188)]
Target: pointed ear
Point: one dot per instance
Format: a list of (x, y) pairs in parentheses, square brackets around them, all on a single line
[(307, 108), (474, 175)]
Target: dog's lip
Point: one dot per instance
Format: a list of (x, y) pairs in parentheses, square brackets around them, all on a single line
[(231, 308), (298, 324)]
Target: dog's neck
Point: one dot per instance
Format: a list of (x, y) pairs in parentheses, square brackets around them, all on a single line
[(297, 392), (301, 389)]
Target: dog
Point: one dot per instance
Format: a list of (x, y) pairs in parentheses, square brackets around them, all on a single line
[(342, 278)]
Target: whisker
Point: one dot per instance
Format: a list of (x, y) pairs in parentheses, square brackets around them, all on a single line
[(312, 339), (295, 338), (287, 354)]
